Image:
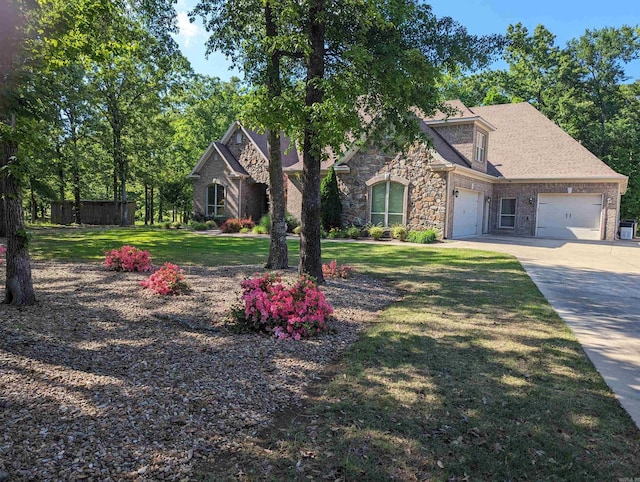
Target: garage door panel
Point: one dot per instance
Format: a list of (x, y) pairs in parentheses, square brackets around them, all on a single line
[(570, 216), (466, 215)]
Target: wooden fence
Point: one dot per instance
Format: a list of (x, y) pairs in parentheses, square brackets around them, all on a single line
[(102, 213)]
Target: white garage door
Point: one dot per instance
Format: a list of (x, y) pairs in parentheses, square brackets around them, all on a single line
[(569, 216), (466, 213)]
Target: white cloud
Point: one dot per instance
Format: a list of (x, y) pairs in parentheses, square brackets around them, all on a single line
[(187, 31)]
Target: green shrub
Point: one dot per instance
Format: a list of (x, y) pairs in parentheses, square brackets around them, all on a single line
[(400, 233), (196, 226), (292, 222), (423, 237), (259, 229), (166, 225), (298, 229), (353, 232), (211, 224), (323, 234), (337, 233), (244, 230), (330, 203), (376, 232), (265, 222), (176, 225)]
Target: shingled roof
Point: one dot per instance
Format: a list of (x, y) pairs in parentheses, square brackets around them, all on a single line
[(527, 145)]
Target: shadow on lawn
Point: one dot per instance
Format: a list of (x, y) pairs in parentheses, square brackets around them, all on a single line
[(471, 377)]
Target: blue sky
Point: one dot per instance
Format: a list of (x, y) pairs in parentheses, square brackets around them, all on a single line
[(567, 19)]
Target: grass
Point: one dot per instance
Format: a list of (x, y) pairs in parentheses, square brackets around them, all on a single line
[(471, 376)]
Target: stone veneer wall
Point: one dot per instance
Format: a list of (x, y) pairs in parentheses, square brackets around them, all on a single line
[(215, 168), (426, 196), (249, 157), (526, 211)]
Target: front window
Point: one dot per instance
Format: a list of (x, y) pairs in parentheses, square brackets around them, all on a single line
[(481, 146), (387, 203), (215, 200), (507, 213)]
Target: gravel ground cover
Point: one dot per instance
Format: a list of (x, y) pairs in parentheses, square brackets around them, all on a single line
[(102, 380)]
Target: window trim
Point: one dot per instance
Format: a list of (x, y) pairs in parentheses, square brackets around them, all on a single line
[(501, 214), (216, 207), (387, 178), (480, 149)]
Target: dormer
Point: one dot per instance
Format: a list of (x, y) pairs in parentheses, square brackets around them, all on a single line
[(466, 132)]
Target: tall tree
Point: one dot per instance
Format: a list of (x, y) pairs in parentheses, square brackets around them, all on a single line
[(343, 59)]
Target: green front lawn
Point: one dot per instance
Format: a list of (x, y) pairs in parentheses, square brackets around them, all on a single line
[(471, 376)]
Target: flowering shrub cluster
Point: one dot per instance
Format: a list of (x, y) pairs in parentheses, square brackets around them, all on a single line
[(128, 258), (2, 251), (235, 225), (168, 280), (294, 312), (333, 270)]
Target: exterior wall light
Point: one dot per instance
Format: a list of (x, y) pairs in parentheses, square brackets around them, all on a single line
[(531, 200), (456, 193), (488, 200)]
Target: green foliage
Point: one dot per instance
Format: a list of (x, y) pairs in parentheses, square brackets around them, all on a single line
[(297, 230), (166, 225), (265, 222), (197, 226), (399, 232), (211, 224), (376, 232), (259, 229), (427, 236), (353, 232), (330, 202), (292, 222)]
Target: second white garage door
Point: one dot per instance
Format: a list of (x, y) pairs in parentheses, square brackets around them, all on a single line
[(569, 216), (466, 213)]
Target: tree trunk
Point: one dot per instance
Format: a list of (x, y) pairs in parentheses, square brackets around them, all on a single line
[(122, 173), (3, 219), (77, 217), (146, 204), (19, 286), (278, 253), (33, 205), (310, 250), (151, 212)]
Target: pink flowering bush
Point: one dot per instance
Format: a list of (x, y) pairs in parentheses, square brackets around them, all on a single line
[(2, 251), (333, 270), (128, 258), (168, 280), (269, 306)]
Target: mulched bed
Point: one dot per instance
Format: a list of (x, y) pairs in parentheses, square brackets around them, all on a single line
[(102, 380)]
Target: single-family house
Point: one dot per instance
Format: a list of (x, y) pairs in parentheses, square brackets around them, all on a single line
[(501, 169)]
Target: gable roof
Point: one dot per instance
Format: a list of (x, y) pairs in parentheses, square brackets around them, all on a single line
[(218, 147), (528, 145)]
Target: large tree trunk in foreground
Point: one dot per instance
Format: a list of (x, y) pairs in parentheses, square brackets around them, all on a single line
[(278, 254), (3, 221), (310, 251), (19, 286)]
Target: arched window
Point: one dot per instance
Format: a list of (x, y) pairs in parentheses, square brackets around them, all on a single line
[(387, 203), (215, 200)]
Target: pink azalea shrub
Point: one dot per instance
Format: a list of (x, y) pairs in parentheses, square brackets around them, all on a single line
[(2, 251), (128, 258), (168, 280), (296, 312), (333, 270)]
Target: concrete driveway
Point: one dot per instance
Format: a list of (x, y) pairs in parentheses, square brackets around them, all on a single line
[(595, 287)]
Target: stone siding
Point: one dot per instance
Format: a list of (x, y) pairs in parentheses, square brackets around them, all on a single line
[(426, 189), (293, 187), (215, 167), (249, 157), (526, 210)]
